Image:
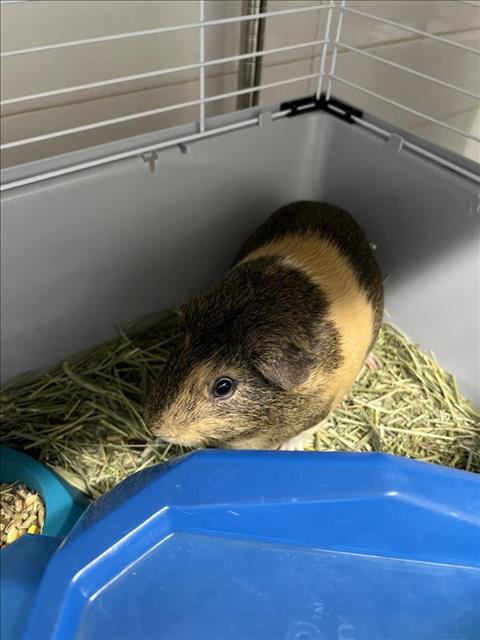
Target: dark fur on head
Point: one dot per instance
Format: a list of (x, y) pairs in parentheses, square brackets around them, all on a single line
[(263, 325)]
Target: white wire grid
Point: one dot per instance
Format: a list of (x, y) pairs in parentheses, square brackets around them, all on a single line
[(326, 80)]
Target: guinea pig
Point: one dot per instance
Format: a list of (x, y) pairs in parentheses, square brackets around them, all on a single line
[(277, 343)]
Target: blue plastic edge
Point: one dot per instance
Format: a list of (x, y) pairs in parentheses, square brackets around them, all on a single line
[(195, 493)]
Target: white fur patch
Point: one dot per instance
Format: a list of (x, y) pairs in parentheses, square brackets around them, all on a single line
[(297, 443)]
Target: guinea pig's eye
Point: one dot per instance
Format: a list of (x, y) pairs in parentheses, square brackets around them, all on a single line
[(224, 388)]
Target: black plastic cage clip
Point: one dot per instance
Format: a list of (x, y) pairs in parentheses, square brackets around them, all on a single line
[(336, 107)]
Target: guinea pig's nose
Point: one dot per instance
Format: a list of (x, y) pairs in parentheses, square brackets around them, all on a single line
[(165, 432)]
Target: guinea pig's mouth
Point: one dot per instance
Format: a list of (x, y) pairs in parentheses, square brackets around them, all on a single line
[(178, 442), (168, 439), (188, 436)]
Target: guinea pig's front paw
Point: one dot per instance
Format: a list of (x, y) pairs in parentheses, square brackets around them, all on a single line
[(295, 444)]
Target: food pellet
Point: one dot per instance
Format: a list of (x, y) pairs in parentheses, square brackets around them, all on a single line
[(22, 511), (12, 535)]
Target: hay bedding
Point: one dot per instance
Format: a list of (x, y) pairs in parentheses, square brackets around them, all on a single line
[(84, 418)]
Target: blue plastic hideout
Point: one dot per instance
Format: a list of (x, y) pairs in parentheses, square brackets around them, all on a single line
[(270, 545)]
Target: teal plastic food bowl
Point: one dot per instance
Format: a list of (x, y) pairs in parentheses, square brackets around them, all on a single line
[(63, 503)]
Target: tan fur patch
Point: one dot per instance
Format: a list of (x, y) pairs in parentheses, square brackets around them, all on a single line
[(349, 308), (177, 418), (196, 434)]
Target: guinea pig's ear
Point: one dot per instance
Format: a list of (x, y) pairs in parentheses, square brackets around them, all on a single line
[(183, 324), (285, 365), (181, 311)]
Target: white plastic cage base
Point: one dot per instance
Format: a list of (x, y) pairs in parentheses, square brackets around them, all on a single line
[(105, 235), (85, 252)]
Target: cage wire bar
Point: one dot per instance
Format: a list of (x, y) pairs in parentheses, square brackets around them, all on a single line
[(201, 31), (252, 35), (324, 50), (331, 7), (335, 51), (158, 30), (158, 72)]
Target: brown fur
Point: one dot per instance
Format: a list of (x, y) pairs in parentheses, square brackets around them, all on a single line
[(292, 323), (350, 310)]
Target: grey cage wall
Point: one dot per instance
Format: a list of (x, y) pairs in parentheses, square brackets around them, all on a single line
[(102, 236)]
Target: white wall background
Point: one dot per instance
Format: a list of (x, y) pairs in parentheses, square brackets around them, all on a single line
[(38, 22)]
